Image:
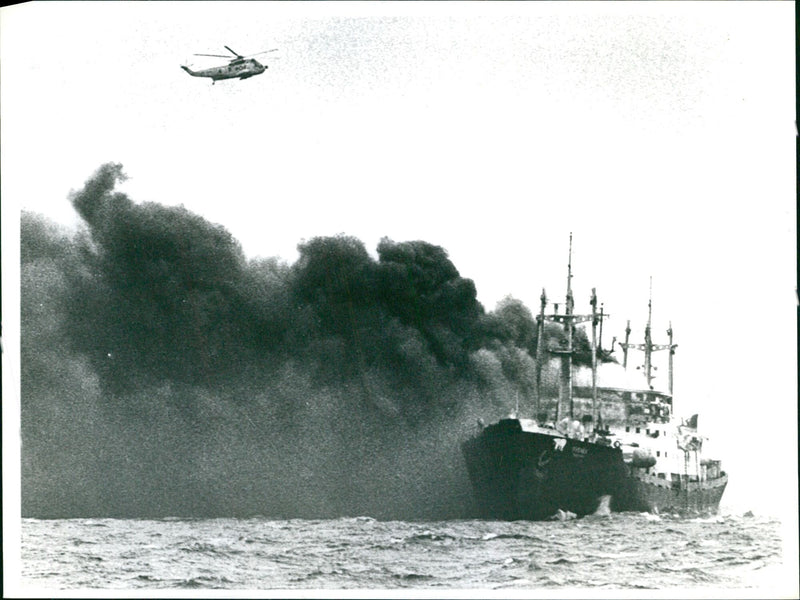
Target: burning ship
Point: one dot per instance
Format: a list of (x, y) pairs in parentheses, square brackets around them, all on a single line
[(612, 444)]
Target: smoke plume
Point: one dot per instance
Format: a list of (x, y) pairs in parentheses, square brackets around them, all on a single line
[(164, 373)]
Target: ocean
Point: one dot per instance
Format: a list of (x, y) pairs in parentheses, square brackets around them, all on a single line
[(592, 556)]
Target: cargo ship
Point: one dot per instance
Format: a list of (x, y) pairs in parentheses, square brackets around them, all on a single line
[(609, 444)]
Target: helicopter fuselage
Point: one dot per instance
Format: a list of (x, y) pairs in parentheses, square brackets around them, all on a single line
[(235, 70)]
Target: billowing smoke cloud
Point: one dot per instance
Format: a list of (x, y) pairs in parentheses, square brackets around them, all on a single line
[(163, 373)]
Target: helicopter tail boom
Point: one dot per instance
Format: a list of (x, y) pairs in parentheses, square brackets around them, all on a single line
[(189, 71)]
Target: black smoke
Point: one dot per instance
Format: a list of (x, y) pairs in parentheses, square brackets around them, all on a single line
[(164, 373)]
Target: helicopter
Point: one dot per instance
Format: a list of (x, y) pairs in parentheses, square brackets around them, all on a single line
[(240, 67)]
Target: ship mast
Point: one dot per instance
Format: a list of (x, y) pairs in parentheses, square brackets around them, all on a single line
[(566, 361), (569, 320), (671, 347), (649, 347), (600, 339), (593, 302), (648, 340), (540, 351), (625, 345)]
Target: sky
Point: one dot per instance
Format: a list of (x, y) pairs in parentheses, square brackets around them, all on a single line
[(662, 136)]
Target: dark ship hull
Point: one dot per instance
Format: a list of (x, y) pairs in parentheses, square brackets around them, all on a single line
[(517, 474), (529, 475)]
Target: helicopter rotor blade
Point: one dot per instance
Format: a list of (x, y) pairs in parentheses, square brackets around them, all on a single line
[(264, 52), (236, 54), (214, 55)]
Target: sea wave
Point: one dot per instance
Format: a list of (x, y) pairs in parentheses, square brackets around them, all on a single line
[(625, 551)]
